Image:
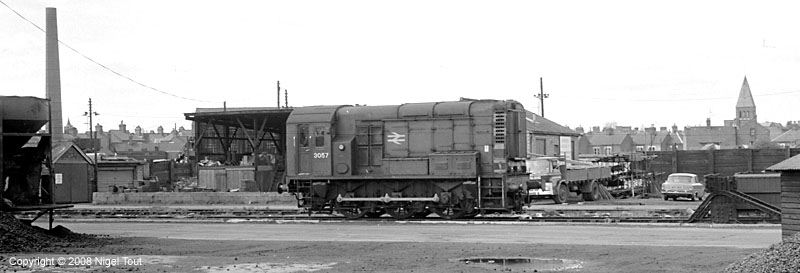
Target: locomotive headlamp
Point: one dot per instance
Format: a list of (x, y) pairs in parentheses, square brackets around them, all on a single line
[(341, 147)]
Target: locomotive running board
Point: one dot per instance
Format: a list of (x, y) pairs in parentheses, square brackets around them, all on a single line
[(386, 199)]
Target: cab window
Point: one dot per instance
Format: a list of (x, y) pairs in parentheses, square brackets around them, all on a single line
[(302, 135), (319, 137)]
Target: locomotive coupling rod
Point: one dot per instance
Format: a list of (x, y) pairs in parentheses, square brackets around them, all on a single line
[(386, 199)]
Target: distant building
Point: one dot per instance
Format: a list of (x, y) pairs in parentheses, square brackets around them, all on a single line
[(137, 144), (652, 140), (607, 142), (742, 132)]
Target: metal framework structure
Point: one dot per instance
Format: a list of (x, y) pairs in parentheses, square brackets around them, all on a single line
[(228, 134)]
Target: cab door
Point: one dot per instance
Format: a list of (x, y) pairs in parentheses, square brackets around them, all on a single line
[(321, 151), (304, 149)]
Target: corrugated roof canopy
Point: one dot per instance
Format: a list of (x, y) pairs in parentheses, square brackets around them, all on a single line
[(791, 164), (250, 118)]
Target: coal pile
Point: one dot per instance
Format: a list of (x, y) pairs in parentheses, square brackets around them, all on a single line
[(16, 236), (781, 257)]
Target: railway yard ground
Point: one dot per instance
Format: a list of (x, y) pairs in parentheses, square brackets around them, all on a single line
[(237, 238)]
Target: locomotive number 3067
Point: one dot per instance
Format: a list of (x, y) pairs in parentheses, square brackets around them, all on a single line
[(321, 155)]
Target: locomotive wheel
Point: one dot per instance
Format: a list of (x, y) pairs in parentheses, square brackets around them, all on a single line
[(400, 212), (562, 194), (375, 214), (460, 210), (352, 212), (421, 214)]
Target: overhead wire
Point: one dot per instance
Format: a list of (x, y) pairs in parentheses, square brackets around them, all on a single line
[(693, 99), (104, 66)]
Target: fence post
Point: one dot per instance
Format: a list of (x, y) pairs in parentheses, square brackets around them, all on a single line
[(712, 161), (750, 160), (169, 172), (675, 161)]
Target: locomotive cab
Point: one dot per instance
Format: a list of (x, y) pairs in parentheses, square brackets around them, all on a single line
[(309, 145), (313, 144)]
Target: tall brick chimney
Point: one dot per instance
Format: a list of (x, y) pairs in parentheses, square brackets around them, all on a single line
[(53, 73)]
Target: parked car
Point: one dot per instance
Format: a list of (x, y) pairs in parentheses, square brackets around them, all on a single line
[(683, 185)]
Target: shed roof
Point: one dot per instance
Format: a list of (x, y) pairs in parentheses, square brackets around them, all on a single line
[(791, 164), (274, 118), (61, 148), (788, 136), (541, 125)]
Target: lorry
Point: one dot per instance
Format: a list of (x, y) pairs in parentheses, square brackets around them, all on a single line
[(554, 177)]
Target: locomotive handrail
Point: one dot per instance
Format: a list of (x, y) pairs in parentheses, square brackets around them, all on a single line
[(386, 199)]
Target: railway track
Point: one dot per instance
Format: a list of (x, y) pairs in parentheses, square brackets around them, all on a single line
[(272, 215)]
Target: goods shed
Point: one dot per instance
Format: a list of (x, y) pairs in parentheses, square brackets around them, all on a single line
[(73, 172), (239, 148), (547, 138)]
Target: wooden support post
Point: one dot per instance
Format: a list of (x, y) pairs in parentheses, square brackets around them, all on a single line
[(750, 160), (230, 138), (712, 161), (277, 145), (674, 161), (247, 135), (199, 135), (219, 138), (50, 225), (260, 130)]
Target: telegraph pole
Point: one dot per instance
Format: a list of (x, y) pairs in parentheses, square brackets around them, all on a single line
[(92, 137), (279, 94), (541, 96)]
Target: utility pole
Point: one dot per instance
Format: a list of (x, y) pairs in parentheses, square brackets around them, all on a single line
[(286, 95), (93, 138), (541, 96), (279, 94)]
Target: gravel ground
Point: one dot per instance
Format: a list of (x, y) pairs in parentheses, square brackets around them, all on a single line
[(781, 257), (16, 236), (20, 241)]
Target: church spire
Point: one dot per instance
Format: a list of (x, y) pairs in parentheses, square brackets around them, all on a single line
[(745, 97), (745, 106)]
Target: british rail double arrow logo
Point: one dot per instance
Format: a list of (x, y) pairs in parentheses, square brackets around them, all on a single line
[(396, 138)]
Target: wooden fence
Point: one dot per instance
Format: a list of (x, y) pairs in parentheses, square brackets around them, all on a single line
[(722, 162), (169, 171)]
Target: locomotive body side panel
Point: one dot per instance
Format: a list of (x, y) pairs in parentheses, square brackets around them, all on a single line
[(451, 158)]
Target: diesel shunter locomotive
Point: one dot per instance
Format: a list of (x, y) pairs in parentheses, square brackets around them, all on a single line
[(454, 159)]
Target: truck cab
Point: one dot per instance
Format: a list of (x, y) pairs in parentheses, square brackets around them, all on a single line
[(556, 178), (544, 173)]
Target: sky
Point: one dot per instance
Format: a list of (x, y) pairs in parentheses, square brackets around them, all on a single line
[(633, 63)]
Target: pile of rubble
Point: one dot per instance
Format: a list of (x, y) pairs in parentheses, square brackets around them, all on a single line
[(16, 236), (781, 257)]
